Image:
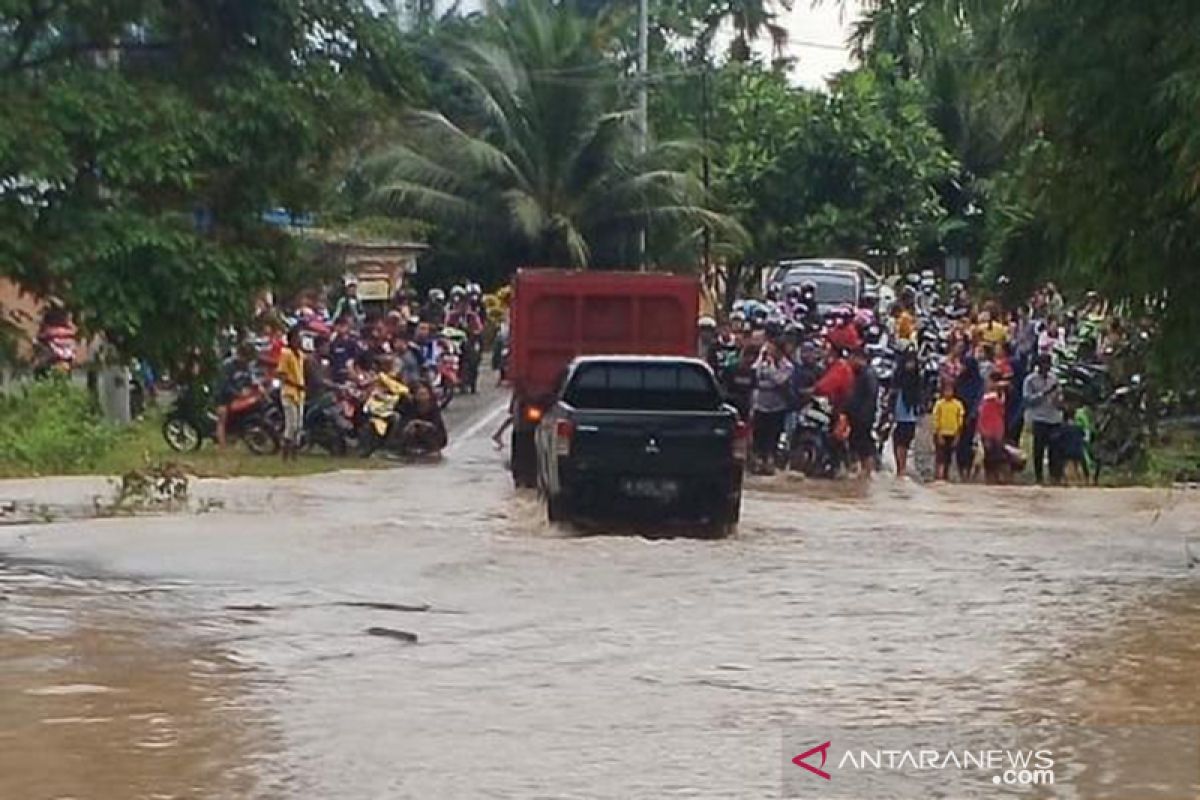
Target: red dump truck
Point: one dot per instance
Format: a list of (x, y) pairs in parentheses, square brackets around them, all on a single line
[(557, 315)]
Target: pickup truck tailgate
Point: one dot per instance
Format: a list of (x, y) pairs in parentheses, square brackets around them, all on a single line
[(652, 443)]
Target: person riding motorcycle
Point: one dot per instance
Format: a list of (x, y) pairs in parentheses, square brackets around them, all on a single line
[(706, 333), (906, 315), (807, 312), (235, 382), (843, 333), (381, 408), (723, 351), (434, 311), (427, 345), (462, 315)]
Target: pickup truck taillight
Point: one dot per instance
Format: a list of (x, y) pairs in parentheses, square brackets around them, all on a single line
[(564, 431), (741, 441)]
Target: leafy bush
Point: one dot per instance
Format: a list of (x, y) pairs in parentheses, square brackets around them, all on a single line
[(51, 426)]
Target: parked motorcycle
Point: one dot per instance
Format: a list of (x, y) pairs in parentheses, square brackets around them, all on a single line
[(326, 426), (192, 419), (54, 349)]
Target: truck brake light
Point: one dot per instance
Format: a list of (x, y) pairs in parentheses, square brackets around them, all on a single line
[(564, 431), (741, 441)]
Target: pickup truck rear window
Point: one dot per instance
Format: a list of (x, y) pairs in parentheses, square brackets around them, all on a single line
[(643, 387)]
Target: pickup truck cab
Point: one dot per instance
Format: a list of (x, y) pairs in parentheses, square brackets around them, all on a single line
[(643, 434)]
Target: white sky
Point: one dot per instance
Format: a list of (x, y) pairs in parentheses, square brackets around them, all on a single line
[(827, 25)]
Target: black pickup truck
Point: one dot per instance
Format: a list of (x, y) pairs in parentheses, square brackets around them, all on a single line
[(647, 435)]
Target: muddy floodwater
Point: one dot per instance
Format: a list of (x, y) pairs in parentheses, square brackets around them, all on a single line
[(267, 649)]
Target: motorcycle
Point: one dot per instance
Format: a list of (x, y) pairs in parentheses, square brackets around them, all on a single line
[(192, 419), (326, 426), (818, 447), (54, 349), (1122, 425), (380, 418), (444, 376), (472, 358)]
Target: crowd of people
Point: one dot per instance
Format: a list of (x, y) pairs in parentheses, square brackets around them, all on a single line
[(979, 370), (375, 375)]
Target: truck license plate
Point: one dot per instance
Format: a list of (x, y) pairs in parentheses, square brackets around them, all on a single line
[(650, 488)]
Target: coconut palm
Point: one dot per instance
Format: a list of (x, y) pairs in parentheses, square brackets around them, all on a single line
[(750, 20), (537, 147)]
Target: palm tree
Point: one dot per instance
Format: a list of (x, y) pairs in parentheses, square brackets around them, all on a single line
[(535, 151), (750, 19)]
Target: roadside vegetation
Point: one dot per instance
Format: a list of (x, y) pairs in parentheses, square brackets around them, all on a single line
[(54, 428)]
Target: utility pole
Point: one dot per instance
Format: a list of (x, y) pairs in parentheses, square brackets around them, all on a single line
[(643, 109), (706, 168)]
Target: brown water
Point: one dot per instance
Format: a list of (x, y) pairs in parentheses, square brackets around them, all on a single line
[(227, 655)]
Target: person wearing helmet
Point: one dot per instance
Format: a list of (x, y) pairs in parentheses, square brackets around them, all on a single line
[(706, 331), (475, 297), (457, 293), (807, 311), (737, 320), (774, 292), (904, 323), (434, 311), (723, 350), (843, 333)]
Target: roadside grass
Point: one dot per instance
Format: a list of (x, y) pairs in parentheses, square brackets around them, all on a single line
[(44, 446), (1175, 458), (143, 444)]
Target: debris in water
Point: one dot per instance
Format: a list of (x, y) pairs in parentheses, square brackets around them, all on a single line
[(380, 606), (392, 633)]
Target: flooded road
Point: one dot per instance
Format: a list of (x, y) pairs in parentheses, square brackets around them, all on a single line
[(264, 650)]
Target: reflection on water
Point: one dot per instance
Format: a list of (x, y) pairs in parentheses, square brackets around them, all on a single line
[(554, 665), (102, 696)]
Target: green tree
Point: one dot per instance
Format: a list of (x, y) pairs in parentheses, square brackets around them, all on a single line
[(854, 172), (142, 140), (534, 156), (955, 49), (1112, 168)]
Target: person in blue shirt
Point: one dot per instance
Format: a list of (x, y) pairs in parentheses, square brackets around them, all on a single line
[(345, 349)]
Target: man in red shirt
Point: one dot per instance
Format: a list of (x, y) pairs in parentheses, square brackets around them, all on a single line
[(844, 336), (837, 384)]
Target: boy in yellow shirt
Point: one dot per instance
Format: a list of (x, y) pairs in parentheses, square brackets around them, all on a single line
[(292, 394), (947, 422)]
